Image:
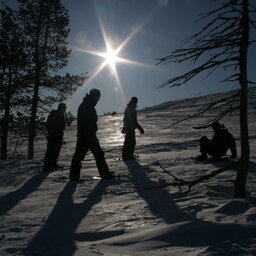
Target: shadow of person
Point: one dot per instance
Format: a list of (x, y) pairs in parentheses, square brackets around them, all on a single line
[(8, 201), (159, 201), (57, 236)]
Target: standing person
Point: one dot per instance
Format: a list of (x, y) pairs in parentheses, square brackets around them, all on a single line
[(86, 138), (221, 142), (55, 126), (130, 124)]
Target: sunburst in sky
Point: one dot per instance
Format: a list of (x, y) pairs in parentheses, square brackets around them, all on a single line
[(110, 55)]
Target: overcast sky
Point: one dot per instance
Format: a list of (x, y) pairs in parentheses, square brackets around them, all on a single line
[(144, 30)]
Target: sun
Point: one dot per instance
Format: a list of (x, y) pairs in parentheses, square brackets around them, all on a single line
[(111, 57)]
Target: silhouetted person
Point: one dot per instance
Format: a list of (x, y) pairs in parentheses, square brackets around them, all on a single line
[(221, 142), (55, 126), (130, 124), (86, 138)]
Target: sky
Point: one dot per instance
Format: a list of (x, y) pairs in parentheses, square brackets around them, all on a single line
[(151, 29), (141, 31)]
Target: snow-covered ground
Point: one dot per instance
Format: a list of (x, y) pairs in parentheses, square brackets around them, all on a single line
[(137, 214)]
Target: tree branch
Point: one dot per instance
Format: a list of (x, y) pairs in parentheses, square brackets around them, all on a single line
[(214, 105), (180, 183)]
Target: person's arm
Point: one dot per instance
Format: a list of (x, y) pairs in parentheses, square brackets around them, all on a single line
[(140, 128), (138, 125)]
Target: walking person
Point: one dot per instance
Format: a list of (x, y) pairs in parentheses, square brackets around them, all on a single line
[(221, 142), (130, 124), (86, 138), (55, 126)]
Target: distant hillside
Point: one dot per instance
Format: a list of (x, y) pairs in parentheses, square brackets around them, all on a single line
[(173, 112), (200, 101)]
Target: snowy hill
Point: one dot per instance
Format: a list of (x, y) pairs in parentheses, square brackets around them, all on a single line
[(138, 214)]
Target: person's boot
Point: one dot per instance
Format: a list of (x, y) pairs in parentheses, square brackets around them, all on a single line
[(74, 174), (202, 157), (108, 176)]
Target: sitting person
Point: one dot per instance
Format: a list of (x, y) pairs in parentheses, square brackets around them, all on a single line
[(221, 142)]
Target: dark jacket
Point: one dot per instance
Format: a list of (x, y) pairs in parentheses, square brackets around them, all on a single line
[(224, 141), (130, 117), (55, 122), (87, 116)]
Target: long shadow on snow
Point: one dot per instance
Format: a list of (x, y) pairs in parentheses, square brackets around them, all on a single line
[(8, 201), (188, 232), (159, 201), (57, 236)]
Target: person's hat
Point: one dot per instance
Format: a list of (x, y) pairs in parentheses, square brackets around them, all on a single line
[(134, 100), (94, 92), (216, 125), (61, 106)]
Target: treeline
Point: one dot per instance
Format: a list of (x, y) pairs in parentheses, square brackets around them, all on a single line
[(33, 49)]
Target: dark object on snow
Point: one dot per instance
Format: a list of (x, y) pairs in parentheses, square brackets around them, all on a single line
[(86, 138), (130, 124), (221, 142), (55, 126)]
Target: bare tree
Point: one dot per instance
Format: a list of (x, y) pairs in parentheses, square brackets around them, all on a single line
[(223, 43)]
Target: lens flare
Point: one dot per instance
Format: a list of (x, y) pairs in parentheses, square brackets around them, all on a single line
[(110, 55)]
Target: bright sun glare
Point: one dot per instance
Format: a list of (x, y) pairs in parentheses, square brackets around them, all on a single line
[(111, 57)]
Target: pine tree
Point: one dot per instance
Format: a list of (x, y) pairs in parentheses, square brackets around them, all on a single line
[(45, 27), (12, 63)]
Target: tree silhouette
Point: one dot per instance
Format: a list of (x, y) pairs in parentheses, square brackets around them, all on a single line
[(223, 43), (12, 75), (45, 29)]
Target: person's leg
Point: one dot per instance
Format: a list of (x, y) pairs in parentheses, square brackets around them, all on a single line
[(207, 147), (80, 152), (133, 143), (125, 146), (129, 145), (58, 144), (49, 160), (216, 152), (99, 156)]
